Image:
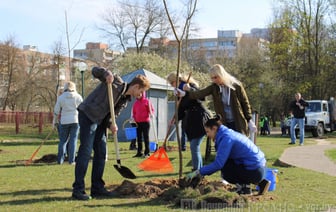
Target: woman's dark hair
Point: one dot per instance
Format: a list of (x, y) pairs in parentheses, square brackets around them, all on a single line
[(215, 121)]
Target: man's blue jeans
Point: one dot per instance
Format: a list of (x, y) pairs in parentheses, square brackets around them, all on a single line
[(196, 156), (68, 134), (92, 137), (294, 123)]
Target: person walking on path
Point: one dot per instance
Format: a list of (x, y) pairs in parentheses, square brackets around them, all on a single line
[(66, 107), (94, 118), (141, 113), (297, 108), (193, 114), (229, 98)]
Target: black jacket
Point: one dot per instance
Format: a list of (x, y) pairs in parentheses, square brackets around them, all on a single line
[(196, 115), (297, 112)]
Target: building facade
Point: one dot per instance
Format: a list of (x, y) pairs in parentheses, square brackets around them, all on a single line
[(226, 43), (96, 52)]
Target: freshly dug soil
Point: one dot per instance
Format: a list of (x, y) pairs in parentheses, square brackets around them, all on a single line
[(200, 193), (50, 158), (179, 194)]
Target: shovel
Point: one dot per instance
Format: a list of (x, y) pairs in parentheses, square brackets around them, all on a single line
[(124, 171)]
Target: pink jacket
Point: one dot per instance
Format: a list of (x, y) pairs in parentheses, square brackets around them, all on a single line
[(142, 108)]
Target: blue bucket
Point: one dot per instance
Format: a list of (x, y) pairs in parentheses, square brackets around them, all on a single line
[(130, 133), (271, 175), (152, 146)]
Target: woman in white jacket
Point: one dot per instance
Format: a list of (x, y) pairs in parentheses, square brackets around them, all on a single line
[(66, 105)]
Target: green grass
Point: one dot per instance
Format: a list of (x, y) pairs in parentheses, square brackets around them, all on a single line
[(47, 187), (331, 153)]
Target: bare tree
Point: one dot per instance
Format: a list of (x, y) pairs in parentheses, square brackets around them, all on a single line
[(190, 11), (10, 63), (68, 36), (58, 59), (132, 23)]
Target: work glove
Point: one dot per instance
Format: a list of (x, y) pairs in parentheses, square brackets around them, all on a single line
[(252, 127), (189, 177), (178, 92)]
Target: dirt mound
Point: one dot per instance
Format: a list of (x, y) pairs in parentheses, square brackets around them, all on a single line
[(50, 158), (173, 191)]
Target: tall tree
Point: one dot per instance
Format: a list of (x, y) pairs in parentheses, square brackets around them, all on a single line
[(70, 46), (11, 65), (132, 22), (305, 24), (190, 11)]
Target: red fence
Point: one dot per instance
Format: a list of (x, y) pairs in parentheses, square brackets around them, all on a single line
[(30, 119)]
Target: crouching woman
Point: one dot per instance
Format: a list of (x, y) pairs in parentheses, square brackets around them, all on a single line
[(240, 161)]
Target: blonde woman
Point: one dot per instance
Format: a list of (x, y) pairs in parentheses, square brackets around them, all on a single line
[(171, 78), (229, 99)]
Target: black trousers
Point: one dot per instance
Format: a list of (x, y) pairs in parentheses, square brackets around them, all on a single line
[(143, 135), (234, 173)]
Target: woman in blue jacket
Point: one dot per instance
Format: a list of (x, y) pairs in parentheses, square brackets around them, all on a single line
[(240, 161)]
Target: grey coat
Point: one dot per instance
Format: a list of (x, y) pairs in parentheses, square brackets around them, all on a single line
[(96, 105)]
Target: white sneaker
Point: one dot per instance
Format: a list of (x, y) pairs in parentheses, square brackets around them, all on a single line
[(225, 182)]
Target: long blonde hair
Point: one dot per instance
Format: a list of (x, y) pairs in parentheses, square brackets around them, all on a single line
[(172, 78), (228, 79)]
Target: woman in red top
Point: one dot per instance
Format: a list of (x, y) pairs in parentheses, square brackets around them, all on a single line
[(141, 112)]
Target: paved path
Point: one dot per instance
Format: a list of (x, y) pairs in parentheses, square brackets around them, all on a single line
[(311, 157)]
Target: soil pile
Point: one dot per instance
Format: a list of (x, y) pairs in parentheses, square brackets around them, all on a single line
[(197, 194), (172, 191), (50, 158)]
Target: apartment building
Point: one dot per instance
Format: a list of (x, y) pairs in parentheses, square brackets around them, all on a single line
[(96, 52), (227, 42)]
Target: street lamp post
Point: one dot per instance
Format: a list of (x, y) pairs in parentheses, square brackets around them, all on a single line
[(82, 68)]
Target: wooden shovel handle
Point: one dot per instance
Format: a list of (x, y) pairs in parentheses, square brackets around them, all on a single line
[(115, 135)]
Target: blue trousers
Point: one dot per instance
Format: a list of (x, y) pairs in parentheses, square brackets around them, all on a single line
[(92, 137), (294, 122), (68, 138), (196, 156)]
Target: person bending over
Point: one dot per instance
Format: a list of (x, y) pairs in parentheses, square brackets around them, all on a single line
[(240, 161)]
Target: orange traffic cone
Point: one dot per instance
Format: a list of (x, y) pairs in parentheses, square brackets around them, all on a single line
[(158, 162)]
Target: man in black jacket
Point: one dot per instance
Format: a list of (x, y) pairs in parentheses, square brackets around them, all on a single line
[(297, 107)]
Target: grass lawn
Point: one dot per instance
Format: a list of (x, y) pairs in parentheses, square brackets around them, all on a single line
[(331, 153), (47, 186)]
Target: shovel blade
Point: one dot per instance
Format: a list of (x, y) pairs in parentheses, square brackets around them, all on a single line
[(124, 171)]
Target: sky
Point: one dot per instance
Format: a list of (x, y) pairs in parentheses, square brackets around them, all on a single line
[(41, 23)]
